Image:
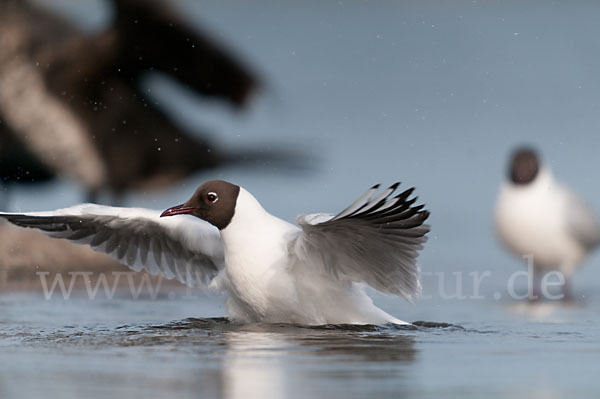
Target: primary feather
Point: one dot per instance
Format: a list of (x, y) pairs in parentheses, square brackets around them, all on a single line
[(376, 241)]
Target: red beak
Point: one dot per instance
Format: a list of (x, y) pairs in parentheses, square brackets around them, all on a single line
[(178, 210)]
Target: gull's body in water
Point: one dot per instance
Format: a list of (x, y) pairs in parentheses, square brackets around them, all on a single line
[(539, 217), (273, 271)]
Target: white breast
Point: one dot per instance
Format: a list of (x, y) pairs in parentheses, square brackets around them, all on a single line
[(257, 272), (532, 219)]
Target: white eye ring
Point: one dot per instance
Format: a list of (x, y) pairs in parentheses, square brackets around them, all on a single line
[(212, 194)]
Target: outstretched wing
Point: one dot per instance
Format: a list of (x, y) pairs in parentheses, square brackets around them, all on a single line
[(182, 247), (375, 240)]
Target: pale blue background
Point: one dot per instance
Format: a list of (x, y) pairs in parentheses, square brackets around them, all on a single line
[(432, 93)]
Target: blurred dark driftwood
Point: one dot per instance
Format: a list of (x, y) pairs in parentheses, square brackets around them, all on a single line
[(73, 101), (149, 35), (18, 163)]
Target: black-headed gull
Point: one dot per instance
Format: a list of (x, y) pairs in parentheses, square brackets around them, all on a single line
[(537, 216), (273, 271)]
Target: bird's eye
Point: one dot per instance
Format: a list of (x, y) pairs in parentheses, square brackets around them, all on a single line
[(212, 197)]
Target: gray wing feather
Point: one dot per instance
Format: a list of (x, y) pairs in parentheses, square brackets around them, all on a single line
[(376, 241), (139, 243), (582, 222)]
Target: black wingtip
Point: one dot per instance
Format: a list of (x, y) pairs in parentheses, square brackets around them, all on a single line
[(375, 187), (395, 186), (12, 217), (406, 193)]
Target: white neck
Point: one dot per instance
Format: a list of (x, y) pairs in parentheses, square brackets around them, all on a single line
[(255, 245), (247, 216), (544, 177), (252, 230)]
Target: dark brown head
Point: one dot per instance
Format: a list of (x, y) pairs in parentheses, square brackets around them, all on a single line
[(214, 201), (524, 166)]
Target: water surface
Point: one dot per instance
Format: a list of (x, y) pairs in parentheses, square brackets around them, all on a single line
[(153, 348)]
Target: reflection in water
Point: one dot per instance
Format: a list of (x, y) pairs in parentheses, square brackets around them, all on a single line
[(279, 360), (212, 357), (254, 364)]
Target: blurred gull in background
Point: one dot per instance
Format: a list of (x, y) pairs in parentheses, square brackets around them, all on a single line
[(537, 216), (74, 104)]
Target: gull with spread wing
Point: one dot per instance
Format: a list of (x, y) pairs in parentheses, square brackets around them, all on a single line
[(273, 271)]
